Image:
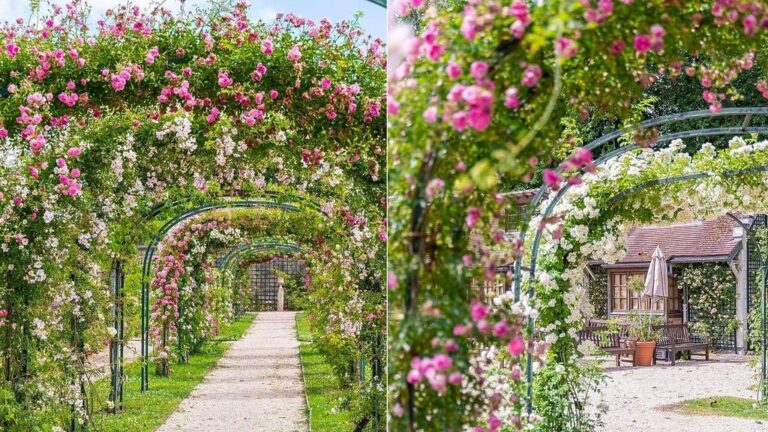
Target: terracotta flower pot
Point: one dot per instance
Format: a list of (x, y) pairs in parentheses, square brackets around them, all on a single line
[(644, 352)]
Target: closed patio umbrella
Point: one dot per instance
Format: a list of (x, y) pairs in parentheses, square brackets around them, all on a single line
[(656, 282)]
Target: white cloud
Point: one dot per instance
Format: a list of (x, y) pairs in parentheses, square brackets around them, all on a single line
[(12, 9), (265, 14)]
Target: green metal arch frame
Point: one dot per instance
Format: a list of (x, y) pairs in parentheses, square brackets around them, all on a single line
[(161, 234), (603, 143), (277, 197), (239, 252)]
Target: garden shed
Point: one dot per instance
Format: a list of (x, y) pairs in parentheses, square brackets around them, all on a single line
[(708, 277)]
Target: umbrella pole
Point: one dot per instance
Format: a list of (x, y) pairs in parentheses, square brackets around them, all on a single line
[(650, 311)]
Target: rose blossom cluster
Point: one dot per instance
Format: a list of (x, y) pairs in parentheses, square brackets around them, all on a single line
[(438, 371), (580, 160), (173, 262)]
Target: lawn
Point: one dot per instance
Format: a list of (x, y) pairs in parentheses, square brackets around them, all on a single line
[(146, 412), (322, 387), (723, 406)]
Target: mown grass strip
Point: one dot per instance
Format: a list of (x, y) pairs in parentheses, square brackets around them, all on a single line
[(324, 393), (727, 406)]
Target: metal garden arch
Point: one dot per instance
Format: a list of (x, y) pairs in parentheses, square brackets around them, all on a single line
[(608, 147), (286, 202), (283, 205)]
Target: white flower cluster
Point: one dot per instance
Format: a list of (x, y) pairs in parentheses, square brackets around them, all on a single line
[(181, 129)]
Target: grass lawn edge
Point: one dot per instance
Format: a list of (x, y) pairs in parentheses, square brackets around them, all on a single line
[(723, 406), (321, 386)]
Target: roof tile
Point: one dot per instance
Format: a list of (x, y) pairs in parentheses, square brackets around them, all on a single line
[(696, 239)]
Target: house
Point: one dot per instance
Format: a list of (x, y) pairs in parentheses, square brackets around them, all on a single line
[(720, 240)]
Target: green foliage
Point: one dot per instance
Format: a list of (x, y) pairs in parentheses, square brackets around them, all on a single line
[(644, 330), (560, 395), (434, 252), (145, 153), (296, 295), (597, 290), (712, 298)]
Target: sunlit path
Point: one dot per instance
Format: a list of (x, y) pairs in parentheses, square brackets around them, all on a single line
[(257, 385), (643, 398)]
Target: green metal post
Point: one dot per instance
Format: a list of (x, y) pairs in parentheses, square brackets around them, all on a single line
[(121, 336), (763, 387), (180, 332), (144, 337), (114, 343)]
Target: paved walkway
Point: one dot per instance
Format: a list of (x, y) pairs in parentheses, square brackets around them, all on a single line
[(256, 386), (637, 398)]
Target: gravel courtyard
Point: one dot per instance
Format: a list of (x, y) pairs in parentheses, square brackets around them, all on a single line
[(256, 387), (636, 397)]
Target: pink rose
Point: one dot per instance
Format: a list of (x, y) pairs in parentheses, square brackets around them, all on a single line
[(294, 54), (12, 49), (478, 311), (453, 69), (531, 76), (565, 47), (552, 179), (430, 114), (478, 69), (414, 377), (516, 346), (266, 46), (642, 43), (473, 215)]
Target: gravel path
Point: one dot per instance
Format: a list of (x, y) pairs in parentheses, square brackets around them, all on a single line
[(256, 386), (636, 397)]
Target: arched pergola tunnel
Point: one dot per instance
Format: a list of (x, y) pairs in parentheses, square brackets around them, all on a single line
[(159, 236), (608, 148), (283, 203)]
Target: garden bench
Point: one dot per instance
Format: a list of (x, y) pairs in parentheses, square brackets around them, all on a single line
[(609, 342), (678, 338)]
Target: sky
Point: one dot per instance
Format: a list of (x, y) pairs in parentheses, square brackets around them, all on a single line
[(374, 20)]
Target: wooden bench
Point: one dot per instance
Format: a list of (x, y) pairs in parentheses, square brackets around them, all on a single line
[(678, 338), (609, 342)]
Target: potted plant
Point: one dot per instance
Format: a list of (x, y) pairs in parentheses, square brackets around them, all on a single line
[(645, 337)]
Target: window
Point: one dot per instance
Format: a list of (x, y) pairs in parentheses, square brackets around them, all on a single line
[(622, 299)]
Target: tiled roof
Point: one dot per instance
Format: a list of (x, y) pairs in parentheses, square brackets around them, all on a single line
[(699, 239)]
